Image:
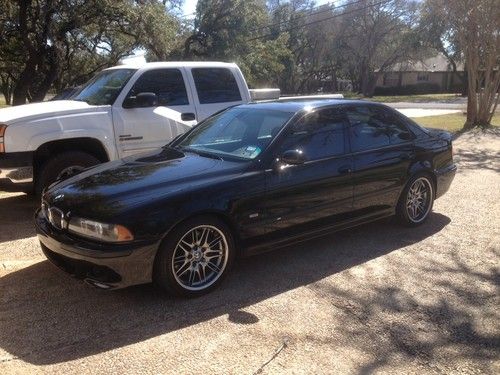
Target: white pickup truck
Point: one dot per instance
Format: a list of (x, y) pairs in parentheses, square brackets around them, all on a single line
[(121, 111)]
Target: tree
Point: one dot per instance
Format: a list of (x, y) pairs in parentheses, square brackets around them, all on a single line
[(226, 30), (475, 24), (377, 35), (49, 42), (436, 33)]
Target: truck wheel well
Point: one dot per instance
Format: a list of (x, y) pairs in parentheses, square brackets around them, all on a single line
[(89, 145)]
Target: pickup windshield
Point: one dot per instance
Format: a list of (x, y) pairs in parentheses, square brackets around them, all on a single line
[(238, 132), (104, 87)]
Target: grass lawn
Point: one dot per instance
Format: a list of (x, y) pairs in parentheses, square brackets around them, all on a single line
[(2, 102), (426, 98), (453, 122)]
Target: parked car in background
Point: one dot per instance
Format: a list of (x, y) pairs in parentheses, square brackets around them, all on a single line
[(121, 111), (252, 178)]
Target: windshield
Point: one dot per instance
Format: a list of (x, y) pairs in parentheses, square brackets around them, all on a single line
[(104, 87), (240, 132)]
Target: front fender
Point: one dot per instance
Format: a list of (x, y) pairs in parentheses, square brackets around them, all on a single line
[(31, 135)]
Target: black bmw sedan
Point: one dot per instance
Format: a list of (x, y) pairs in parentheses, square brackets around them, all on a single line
[(251, 178)]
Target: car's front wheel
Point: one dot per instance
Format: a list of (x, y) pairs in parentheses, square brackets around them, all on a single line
[(416, 201), (194, 257)]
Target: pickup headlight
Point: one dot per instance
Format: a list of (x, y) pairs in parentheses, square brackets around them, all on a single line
[(99, 231), (2, 133)]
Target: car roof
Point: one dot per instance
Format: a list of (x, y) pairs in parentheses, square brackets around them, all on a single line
[(296, 105), (174, 64)]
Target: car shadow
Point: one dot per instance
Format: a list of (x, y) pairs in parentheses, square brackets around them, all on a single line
[(46, 317), (16, 217)]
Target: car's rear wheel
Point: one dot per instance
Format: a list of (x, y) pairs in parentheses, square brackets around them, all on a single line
[(416, 201), (195, 257), (62, 166)]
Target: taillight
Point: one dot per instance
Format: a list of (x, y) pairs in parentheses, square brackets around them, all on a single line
[(2, 132)]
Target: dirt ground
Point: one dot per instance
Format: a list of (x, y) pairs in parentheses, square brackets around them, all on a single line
[(375, 299)]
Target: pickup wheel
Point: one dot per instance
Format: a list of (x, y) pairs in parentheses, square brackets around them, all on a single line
[(62, 166)]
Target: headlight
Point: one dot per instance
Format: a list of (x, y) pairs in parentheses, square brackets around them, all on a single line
[(99, 231), (2, 133)]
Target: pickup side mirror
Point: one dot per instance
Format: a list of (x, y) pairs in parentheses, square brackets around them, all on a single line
[(141, 100), (146, 99), (293, 157)]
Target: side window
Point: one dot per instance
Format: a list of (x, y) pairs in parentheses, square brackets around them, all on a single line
[(167, 84), (319, 135), (395, 128), (366, 131), (215, 85)]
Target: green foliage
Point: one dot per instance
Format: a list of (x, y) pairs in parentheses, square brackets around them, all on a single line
[(63, 42), (226, 30), (263, 65), (295, 45)]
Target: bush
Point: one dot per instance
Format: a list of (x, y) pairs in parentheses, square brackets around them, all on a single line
[(418, 89)]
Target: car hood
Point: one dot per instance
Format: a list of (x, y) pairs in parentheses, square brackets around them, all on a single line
[(23, 113), (103, 190)]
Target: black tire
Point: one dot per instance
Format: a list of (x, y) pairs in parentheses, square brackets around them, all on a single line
[(53, 167), (404, 213), (163, 272)]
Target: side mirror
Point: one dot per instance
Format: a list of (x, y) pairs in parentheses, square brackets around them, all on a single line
[(146, 99), (141, 100), (293, 157)]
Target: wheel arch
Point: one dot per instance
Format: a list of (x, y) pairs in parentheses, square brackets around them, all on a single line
[(424, 167), (89, 145)]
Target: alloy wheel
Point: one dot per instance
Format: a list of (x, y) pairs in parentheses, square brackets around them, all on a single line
[(200, 257), (419, 199)]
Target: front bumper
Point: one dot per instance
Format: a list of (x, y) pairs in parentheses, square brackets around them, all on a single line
[(16, 171), (444, 178), (105, 266)]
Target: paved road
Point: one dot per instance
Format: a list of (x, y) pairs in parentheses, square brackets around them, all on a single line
[(376, 298), (432, 105)]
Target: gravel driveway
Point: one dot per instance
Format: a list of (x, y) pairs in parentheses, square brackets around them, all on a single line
[(377, 298)]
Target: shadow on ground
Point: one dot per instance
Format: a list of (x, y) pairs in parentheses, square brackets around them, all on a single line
[(46, 317), (16, 217)]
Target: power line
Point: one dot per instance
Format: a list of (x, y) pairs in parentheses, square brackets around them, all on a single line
[(325, 19), (328, 8)]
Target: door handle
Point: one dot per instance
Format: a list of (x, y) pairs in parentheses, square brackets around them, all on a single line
[(345, 169), (189, 116)]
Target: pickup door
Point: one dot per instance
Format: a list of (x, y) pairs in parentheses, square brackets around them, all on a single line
[(185, 97), (141, 129)]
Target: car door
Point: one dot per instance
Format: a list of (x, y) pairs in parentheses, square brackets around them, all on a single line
[(141, 129), (382, 149), (214, 89), (319, 188)]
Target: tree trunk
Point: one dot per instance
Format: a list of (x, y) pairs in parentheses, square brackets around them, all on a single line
[(6, 88)]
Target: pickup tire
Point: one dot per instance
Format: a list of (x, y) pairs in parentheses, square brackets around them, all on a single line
[(70, 163)]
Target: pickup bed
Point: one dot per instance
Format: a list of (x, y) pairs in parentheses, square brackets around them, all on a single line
[(121, 111)]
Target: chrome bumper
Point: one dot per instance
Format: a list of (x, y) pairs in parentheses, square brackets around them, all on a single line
[(18, 175)]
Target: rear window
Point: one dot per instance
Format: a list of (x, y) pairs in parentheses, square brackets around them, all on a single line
[(216, 85)]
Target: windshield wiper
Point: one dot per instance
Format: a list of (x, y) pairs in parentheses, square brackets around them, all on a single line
[(201, 153)]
